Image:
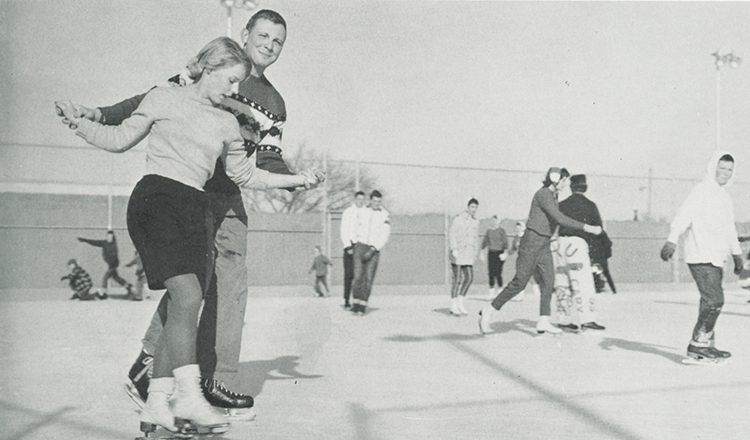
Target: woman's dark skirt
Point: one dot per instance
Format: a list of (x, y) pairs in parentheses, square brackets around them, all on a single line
[(168, 224)]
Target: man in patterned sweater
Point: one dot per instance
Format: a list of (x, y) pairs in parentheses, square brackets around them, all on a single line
[(261, 113)]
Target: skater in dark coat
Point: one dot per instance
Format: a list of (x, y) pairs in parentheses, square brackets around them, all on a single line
[(109, 253), (534, 254)]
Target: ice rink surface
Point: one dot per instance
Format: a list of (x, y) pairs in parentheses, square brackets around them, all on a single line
[(406, 370)]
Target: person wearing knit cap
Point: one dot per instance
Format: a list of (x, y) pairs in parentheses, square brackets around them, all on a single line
[(463, 236), (706, 219), (574, 283), (534, 254)]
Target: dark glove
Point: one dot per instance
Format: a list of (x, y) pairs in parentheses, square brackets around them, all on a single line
[(369, 253), (668, 250), (737, 264)]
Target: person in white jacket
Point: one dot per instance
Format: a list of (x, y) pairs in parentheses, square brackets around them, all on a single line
[(372, 232), (350, 218), (706, 219), (463, 235)]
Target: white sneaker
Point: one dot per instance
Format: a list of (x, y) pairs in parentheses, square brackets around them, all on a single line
[(484, 319), (454, 307), (461, 305), (544, 326)]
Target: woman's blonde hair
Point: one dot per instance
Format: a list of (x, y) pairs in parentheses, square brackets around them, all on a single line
[(219, 53)]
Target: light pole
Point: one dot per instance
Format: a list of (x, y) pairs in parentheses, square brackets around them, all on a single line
[(244, 4), (721, 61)]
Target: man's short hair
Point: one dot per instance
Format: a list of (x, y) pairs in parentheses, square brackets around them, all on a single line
[(377, 194), (473, 201), (266, 14), (359, 193), (726, 158)]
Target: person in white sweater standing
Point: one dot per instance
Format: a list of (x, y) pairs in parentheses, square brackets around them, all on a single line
[(372, 231), (350, 218), (463, 236), (167, 214), (706, 219)]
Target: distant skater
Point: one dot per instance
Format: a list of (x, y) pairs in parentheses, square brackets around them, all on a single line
[(496, 242), (534, 254), (320, 267), (574, 284), (463, 237), (80, 281), (350, 218), (371, 234), (110, 255), (706, 219)]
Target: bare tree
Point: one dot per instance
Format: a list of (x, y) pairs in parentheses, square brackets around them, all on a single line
[(341, 181)]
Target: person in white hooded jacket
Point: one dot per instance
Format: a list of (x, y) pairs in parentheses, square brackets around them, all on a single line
[(706, 219)]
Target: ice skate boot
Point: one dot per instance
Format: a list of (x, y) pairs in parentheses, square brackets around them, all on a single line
[(492, 293), (544, 326), (190, 408), (721, 354), (570, 326), (139, 378), (454, 307), (592, 326), (702, 355), (156, 412), (236, 406), (484, 319), (461, 305)]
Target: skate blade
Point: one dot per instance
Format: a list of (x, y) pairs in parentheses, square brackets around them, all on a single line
[(149, 432), (134, 396), (704, 361), (188, 427), (244, 415), (548, 333)]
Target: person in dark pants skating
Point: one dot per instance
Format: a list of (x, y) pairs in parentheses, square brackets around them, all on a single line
[(534, 254), (109, 253), (706, 219), (349, 220), (496, 242), (371, 234)]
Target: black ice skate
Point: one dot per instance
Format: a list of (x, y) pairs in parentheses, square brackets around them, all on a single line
[(139, 378), (570, 327), (703, 356), (721, 353), (237, 407)]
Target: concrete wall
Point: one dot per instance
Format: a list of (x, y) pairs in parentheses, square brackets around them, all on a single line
[(38, 235)]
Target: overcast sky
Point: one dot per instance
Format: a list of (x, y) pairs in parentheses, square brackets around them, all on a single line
[(599, 87)]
